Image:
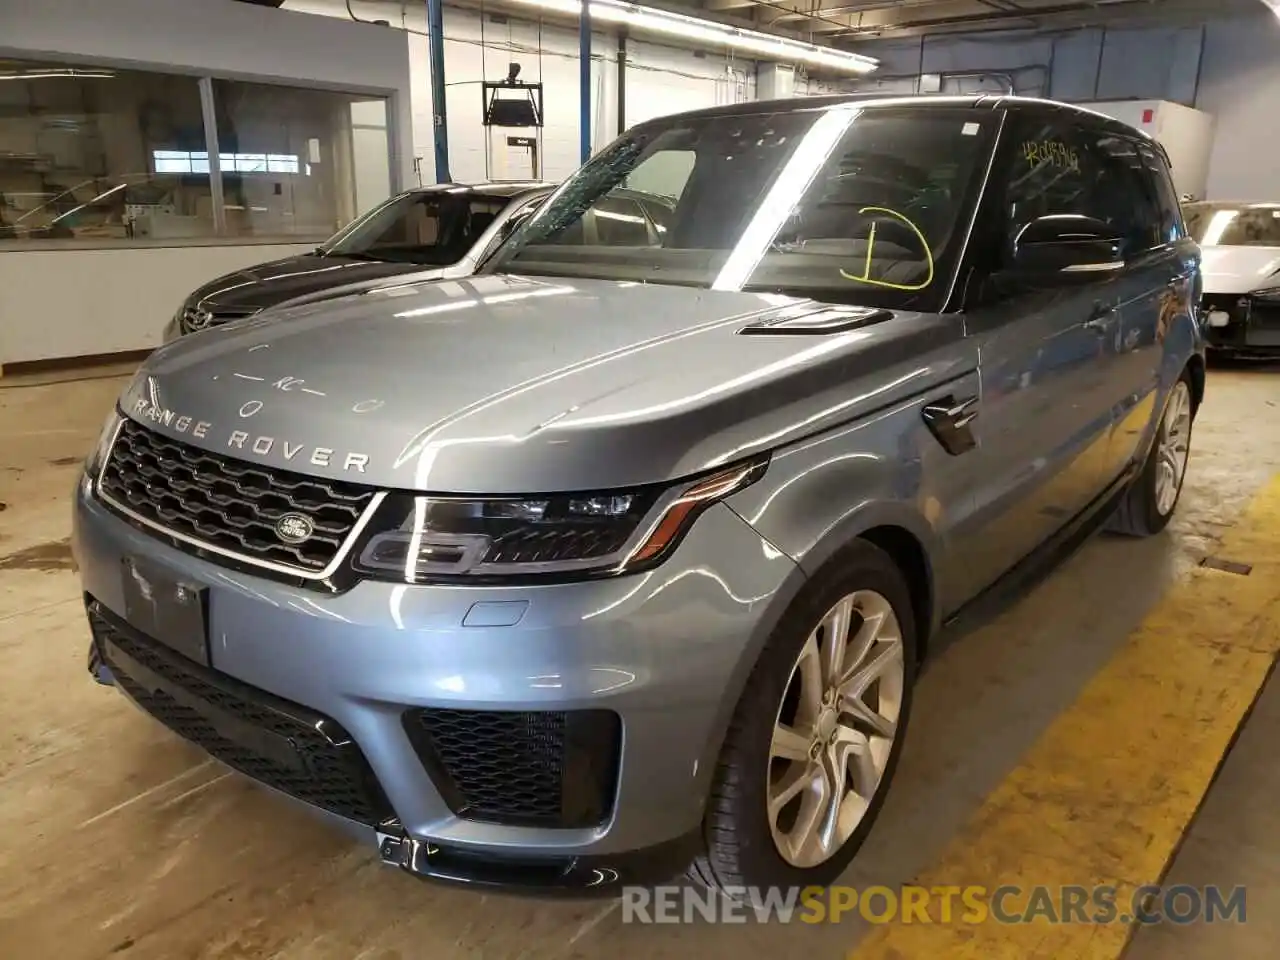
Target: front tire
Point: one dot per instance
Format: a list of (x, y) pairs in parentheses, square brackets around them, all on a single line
[(1149, 504), (815, 739)]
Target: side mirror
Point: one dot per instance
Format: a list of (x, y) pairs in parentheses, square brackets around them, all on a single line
[(1067, 248)]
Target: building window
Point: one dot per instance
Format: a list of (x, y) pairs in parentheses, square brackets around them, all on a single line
[(80, 153), (197, 161), (292, 159), (101, 155), (180, 161)]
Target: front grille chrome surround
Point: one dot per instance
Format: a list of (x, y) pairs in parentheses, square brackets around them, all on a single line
[(360, 503)]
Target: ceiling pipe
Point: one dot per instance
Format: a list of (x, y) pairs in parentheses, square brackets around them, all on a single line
[(823, 15), (622, 83), (439, 108), (1005, 76), (584, 83), (1032, 16)]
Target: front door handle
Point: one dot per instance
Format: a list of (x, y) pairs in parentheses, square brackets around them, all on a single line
[(1100, 317)]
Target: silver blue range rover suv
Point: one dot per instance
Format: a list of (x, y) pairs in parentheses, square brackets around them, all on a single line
[(618, 558)]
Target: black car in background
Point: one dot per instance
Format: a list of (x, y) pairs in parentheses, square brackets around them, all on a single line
[(434, 232)]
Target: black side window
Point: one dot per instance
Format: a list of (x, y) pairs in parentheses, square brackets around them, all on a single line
[(1123, 163), (1056, 168), (1171, 224)]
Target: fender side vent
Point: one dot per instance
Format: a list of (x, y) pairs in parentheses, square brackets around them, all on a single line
[(819, 323), (950, 421)]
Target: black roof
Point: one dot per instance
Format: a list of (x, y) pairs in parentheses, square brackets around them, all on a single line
[(502, 189), (989, 101)]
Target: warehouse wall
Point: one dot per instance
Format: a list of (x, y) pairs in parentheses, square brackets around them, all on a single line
[(77, 301), (1228, 68), (659, 80), (231, 39)]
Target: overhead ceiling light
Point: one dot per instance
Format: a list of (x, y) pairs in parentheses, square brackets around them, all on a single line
[(763, 45)]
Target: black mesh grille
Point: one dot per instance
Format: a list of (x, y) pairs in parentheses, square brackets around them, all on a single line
[(228, 503), (1265, 315), (523, 768), (280, 744)]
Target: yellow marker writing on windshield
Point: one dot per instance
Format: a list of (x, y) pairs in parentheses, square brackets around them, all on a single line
[(871, 242)]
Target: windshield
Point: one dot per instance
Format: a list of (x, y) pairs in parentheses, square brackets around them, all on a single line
[(1233, 224), (434, 229), (855, 204)]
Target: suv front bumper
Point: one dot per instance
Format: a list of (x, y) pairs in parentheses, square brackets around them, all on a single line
[(1241, 324), (622, 686)]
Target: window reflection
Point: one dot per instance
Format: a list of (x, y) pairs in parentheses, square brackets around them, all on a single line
[(80, 154), (112, 156), (293, 157)]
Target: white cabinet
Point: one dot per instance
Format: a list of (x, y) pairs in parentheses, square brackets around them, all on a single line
[(1185, 133)]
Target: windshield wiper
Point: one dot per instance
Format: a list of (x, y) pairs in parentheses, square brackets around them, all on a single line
[(786, 246)]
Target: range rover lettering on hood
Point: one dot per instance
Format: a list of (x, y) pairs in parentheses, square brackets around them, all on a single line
[(259, 445)]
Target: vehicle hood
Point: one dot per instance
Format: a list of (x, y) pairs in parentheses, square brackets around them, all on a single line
[(1239, 269), (509, 385), (268, 284)]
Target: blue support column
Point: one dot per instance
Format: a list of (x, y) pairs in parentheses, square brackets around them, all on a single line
[(584, 79), (439, 115)]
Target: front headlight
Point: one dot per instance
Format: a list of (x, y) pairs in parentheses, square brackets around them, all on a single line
[(98, 455), (425, 539), (173, 329)]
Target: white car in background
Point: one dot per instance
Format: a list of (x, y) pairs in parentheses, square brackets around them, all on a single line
[(1241, 248)]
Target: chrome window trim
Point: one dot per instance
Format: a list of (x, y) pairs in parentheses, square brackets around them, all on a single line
[(330, 569), (947, 303)]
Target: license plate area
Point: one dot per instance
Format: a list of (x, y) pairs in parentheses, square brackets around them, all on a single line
[(235, 733), (173, 611)]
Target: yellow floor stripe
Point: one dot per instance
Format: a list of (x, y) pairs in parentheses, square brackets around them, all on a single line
[(1106, 794)]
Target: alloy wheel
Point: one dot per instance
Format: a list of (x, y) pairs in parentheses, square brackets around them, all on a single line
[(1172, 447), (835, 729)]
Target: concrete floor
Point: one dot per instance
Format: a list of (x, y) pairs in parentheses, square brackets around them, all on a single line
[(120, 840)]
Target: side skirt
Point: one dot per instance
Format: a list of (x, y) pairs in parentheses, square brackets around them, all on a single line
[(1015, 583)]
